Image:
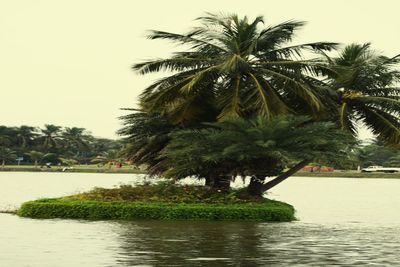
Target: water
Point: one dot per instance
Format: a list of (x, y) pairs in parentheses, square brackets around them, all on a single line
[(342, 222)]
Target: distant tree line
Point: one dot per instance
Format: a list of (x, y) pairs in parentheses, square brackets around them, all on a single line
[(377, 154), (54, 144)]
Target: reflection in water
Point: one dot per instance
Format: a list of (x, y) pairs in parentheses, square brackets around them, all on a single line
[(190, 243), (255, 244), (325, 235)]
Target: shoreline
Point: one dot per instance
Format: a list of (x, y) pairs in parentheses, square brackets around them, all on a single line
[(84, 169)]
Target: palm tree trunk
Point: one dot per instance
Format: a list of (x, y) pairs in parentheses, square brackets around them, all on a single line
[(255, 187), (208, 181), (3, 163), (222, 182), (285, 175)]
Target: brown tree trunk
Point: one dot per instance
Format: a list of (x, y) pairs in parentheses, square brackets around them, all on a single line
[(222, 182), (285, 175), (255, 187), (209, 181)]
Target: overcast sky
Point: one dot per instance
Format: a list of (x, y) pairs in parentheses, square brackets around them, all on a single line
[(68, 62)]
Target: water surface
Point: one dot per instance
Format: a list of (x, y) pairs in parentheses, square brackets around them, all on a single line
[(342, 222)]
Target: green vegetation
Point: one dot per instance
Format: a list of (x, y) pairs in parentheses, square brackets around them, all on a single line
[(74, 168), (239, 100), (377, 154), (55, 145), (349, 174), (164, 201), (232, 67), (258, 148)]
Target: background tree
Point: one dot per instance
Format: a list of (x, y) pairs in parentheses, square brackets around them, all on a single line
[(35, 156), (6, 154), (377, 154), (367, 94), (109, 157), (26, 136), (76, 142), (50, 137)]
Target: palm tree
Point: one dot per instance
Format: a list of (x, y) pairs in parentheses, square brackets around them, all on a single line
[(367, 94), (7, 136), (26, 135), (50, 136), (234, 67), (76, 139), (35, 156), (108, 157), (145, 137), (6, 154), (253, 147)]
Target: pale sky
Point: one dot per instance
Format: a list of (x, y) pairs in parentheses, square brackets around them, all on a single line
[(67, 62)]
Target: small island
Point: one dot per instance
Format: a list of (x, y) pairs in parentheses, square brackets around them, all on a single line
[(162, 201)]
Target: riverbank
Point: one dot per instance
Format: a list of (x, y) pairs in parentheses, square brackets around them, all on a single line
[(74, 169), (349, 174), (129, 169), (163, 201)]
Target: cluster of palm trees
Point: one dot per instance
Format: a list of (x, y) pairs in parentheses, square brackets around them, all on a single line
[(54, 144), (232, 67)]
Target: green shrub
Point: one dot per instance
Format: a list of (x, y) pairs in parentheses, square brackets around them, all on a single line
[(165, 192), (269, 210)]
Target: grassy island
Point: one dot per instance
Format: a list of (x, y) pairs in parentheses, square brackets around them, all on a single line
[(160, 202)]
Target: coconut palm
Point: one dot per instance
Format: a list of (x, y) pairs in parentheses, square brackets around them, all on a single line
[(367, 94), (6, 154), (7, 136), (76, 139), (108, 157), (26, 135), (50, 136), (235, 67), (36, 156)]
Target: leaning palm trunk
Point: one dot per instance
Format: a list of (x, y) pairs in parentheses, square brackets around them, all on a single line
[(284, 175)]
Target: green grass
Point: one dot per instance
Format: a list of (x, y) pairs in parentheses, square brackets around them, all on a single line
[(162, 201), (98, 210), (129, 169), (76, 168)]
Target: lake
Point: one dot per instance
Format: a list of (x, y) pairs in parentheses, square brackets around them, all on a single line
[(342, 222)]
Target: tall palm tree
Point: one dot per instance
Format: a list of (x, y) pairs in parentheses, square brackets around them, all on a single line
[(26, 135), (368, 92), (6, 154), (35, 156), (76, 139), (7, 136), (50, 136), (235, 67)]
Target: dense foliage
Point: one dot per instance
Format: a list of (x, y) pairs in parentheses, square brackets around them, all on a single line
[(255, 148), (233, 67), (377, 154), (73, 209), (53, 144), (165, 191)]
